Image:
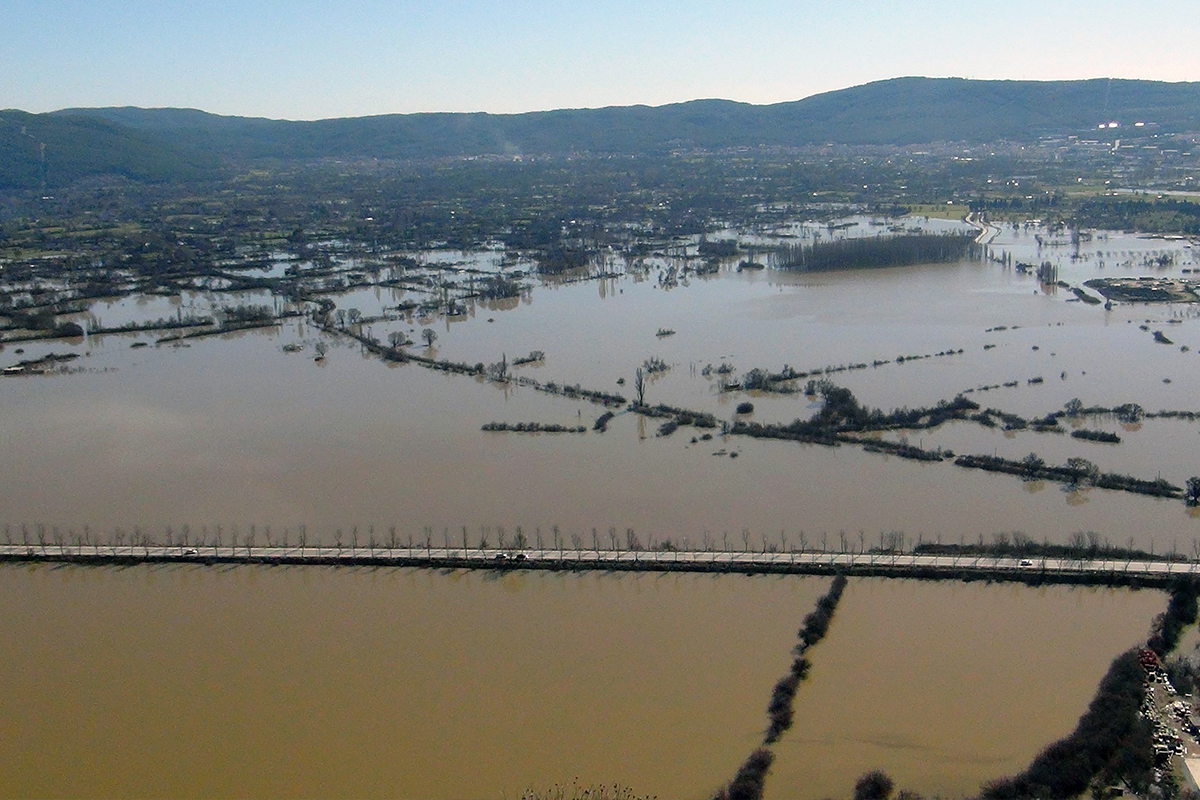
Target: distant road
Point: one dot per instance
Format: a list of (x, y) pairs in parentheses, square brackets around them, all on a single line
[(1050, 570), (987, 232)]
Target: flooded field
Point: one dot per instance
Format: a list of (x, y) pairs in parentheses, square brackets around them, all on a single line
[(341, 683), (462, 685), (945, 686), (232, 430)]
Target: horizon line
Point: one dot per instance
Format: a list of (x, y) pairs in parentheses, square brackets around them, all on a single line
[(68, 109)]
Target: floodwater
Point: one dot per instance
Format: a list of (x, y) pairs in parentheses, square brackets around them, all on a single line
[(233, 431), (945, 686), (216, 677), (308, 682)]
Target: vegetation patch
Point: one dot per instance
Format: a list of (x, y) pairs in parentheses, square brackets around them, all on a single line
[(532, 427), (876, 252), (1096, 436)]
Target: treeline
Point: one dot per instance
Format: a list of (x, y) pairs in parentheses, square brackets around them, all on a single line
[(1152, 216), (1181, 612), (1113, 742), (1020, 546), (681, 416), (901, 449), (813, 630), (533, 427), (1111, 737), (574, 392), (1076, 471), (1096, 436), (876, 252), (750, 780)]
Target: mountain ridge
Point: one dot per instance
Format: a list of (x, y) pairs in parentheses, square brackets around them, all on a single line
[(143, 144)]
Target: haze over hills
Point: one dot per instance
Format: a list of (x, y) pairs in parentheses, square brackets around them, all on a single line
[(184, 144)]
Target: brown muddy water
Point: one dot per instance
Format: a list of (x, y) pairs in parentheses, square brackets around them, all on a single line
[(313, 682)]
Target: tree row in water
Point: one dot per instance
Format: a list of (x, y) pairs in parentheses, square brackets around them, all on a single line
[(751, 777), (877, 251)]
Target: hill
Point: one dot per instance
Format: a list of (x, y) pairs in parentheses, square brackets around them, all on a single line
[(48, 150), (178, 144)]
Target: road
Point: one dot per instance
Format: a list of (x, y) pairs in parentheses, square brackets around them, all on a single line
[(897, 565), (987, 232)]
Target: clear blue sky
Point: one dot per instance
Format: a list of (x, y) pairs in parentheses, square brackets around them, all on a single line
[(308, 60)]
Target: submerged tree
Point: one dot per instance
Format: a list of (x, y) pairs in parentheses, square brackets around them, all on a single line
[(875, 785), (1192, 492)]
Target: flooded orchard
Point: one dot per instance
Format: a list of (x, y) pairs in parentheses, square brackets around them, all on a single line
[(451, 685)]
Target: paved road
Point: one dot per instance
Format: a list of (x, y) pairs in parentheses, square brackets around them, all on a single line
[(808, 562), (987, 232)]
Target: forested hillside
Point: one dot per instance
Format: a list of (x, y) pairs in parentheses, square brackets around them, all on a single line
[(183, 144)]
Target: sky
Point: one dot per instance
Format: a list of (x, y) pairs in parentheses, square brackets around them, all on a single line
[(310, 60)]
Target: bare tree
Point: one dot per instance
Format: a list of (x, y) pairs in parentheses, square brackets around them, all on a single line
[(429, 335), (639, 386), (631, 540)]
